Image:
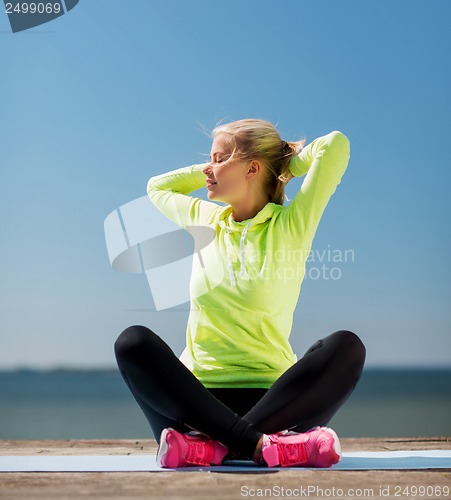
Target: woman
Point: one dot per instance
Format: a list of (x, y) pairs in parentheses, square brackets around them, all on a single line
[(238, 385)]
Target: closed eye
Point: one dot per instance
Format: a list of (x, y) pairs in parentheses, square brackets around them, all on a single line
[(222, 159)]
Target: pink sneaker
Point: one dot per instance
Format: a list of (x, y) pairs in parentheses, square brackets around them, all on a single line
[(318, 447), (187, 450)]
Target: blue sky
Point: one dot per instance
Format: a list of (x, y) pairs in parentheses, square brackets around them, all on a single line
[(100, 99)]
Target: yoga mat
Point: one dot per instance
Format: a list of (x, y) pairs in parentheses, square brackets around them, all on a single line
[(362, 460)]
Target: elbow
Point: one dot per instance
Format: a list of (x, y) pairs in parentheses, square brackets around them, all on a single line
[(338, 137), (150, 185), (339, 141)]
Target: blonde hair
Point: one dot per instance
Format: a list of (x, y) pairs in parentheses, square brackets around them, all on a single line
[(254, 139)]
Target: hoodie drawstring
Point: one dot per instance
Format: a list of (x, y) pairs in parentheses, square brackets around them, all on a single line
[(229, 252), (242, 257), (229, 260)]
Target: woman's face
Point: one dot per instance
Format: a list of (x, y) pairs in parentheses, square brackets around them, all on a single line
[(227, 177)]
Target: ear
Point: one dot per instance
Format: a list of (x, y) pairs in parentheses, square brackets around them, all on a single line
[(253, 169)]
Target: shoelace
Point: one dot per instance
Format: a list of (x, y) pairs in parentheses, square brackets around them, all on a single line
[(293, 453), (199, 453)]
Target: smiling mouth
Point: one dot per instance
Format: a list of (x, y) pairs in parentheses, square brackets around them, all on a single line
[(210, 183)]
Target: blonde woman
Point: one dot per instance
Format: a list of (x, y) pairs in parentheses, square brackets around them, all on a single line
[(238, 389)]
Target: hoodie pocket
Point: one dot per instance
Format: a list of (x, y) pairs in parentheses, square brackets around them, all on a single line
[(232, 327)]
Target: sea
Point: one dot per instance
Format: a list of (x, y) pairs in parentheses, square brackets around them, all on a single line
[(96, 404)]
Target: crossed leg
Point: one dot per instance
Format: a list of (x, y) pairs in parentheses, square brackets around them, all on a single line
[(306, 395)]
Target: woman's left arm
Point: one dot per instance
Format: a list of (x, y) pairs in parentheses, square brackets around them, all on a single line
[(324, 161)]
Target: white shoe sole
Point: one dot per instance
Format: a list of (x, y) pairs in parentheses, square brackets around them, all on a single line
[(337, 446), (163, 448)]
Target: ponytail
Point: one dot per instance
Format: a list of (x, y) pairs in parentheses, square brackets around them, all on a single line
[(279, 172)]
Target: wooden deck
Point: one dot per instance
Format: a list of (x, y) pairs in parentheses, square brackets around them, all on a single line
[(204, 485)]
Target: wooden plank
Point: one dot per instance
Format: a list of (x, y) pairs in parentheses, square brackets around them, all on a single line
[(179, 485), (144, 446)]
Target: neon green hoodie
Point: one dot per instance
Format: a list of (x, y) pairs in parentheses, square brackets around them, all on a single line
[(245, 283)]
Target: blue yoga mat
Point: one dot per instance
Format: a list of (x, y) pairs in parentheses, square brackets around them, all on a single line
[(376, 460)]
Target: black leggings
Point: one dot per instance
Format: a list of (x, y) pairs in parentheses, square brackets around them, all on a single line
[(306, 395)]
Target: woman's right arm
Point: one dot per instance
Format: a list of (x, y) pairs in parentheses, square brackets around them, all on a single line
[(169, 192)]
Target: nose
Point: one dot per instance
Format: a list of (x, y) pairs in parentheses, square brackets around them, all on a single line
[(207, 169)]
